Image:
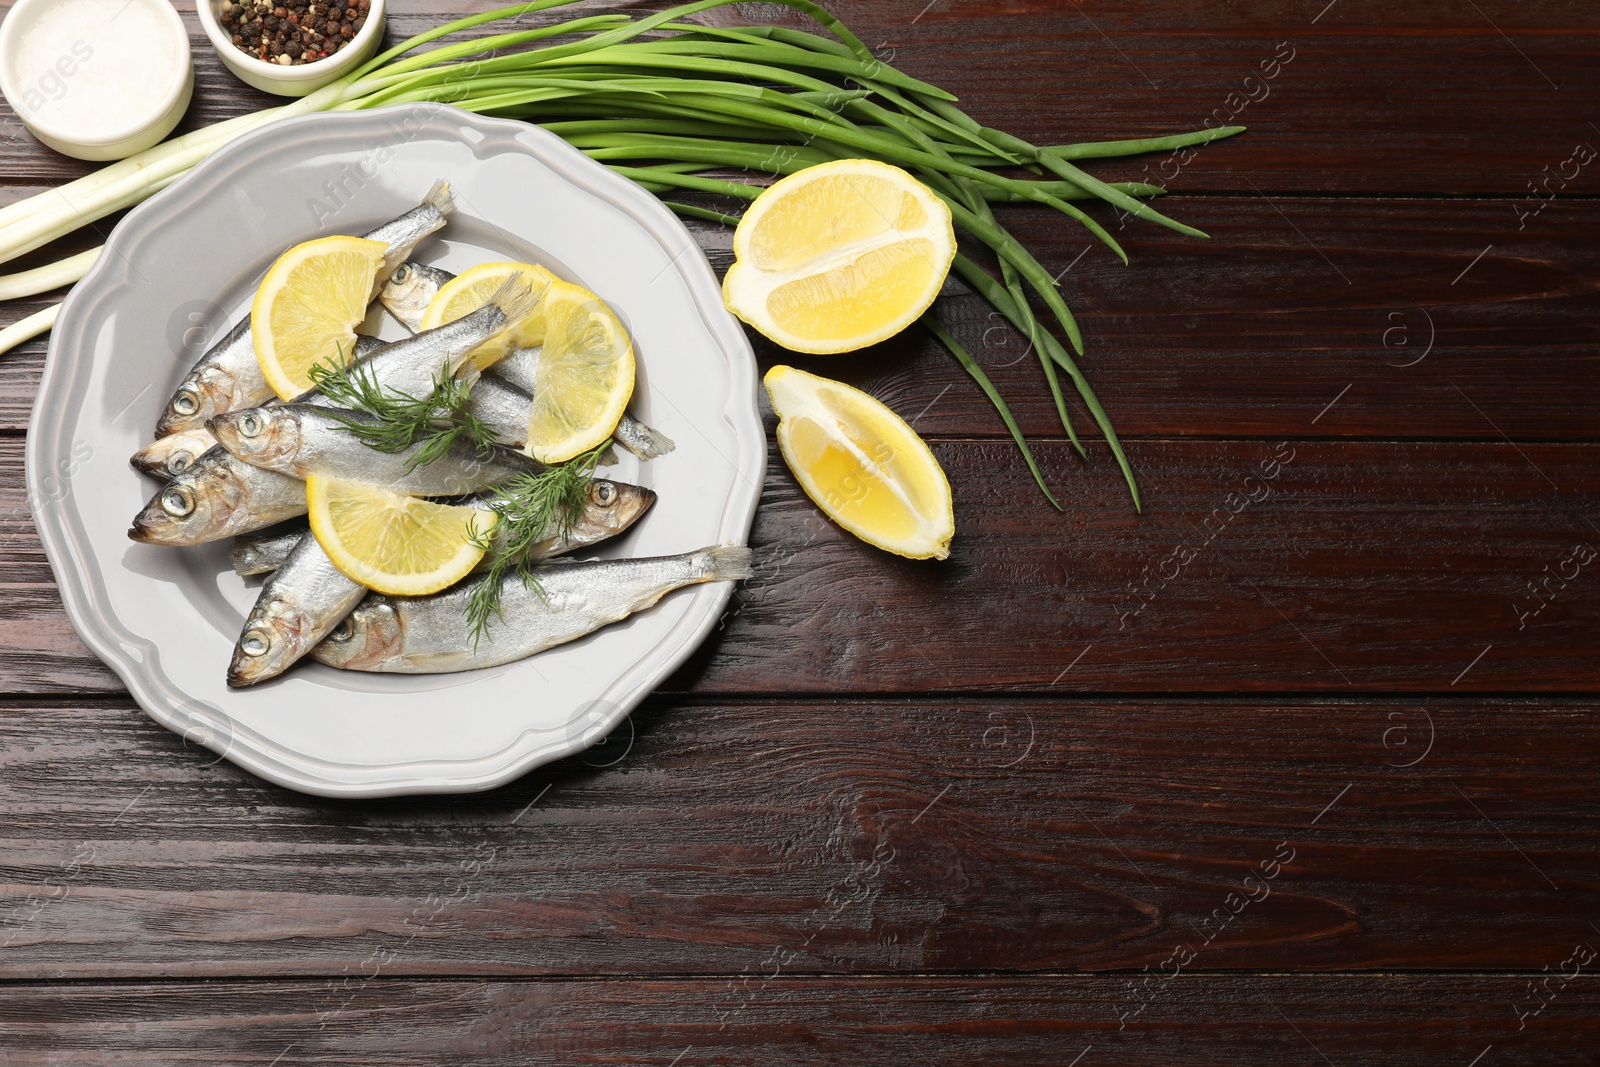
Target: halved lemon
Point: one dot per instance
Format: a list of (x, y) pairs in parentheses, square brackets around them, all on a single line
[(471, 289), (395, 544), (839, 256), (307, 307), (862, 464), (585, 375)]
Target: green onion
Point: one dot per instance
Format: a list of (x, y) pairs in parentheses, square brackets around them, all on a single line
[(675, 105)]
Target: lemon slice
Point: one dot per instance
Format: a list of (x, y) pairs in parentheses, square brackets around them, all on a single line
[(395, 544), (585, 375), (839, 256), (471, 289), (862, 464), (307, 307)]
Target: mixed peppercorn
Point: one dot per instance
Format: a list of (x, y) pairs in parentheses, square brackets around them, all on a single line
[(293, 33)]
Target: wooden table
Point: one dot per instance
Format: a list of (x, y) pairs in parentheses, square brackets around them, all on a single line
[(1295, 768)]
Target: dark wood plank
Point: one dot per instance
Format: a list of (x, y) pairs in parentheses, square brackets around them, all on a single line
[(1272, 1020), (948, 836), (1364, 566), (1256, 331), (1474, 107), (1251, 333)]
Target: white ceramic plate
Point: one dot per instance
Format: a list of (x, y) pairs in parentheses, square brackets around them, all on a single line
[(180, 270)]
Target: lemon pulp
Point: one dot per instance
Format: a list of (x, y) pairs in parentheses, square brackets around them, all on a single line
[(839, 256), (307, 307), (584, 378), (401, 545), (862, 464)]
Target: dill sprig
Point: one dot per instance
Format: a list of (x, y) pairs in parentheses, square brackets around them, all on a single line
[(530, 510), (435, 422)]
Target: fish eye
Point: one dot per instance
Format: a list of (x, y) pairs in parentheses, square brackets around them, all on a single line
[(177, 502), (604, 494), (344, 631), (179, 463), (255, 643), (249, 424), (186, 403), (402, 274)]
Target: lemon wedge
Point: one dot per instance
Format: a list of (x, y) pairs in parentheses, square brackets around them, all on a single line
[(395, 544), (585, 375), (864, 467), (839, 256), (471, 289), (307, 307)]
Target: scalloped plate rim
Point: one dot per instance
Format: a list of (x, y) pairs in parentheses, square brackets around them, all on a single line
[(122, 650)]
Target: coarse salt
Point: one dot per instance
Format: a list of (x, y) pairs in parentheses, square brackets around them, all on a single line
[(94, 69)]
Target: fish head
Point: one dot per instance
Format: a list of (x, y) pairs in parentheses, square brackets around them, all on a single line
[(170, 456), (407, 295), (194, 507), (611, 508), (369, 637), (267, 437), (205, 393), (275, 635)]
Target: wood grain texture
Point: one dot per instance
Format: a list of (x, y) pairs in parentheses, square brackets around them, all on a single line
[(1359, 566), (1408, 1021), (1251, 333), (830, 837), (1283, 734), (1377, 97)]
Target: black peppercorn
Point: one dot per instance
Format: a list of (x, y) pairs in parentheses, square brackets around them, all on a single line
[(293, 31)]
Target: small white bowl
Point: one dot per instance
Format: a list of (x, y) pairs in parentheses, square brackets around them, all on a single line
[(23, 86), (301, 79)]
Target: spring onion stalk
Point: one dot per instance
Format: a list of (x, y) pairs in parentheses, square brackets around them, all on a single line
[(28, 328), (51, 276), (675, 106)]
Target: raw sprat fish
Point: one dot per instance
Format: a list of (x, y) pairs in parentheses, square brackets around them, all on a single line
[(297, 440), (307, 596), (409, 291), (170, 456), (229, 376), (405, 457), (218, 496), (430, 635), (264, 551), (407, 297), (304, 599), (214, 498), (610, 508)]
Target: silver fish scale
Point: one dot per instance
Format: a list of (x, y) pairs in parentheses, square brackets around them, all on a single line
[(303, 600), (328, 447), (431, 634)]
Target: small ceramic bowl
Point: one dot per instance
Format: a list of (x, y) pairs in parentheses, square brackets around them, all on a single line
[(96, 50), (301, 79)]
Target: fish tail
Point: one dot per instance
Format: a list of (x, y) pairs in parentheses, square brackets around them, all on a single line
[(440, 198), (515, 300), (729, 562), (247, 559), (646, 442)]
